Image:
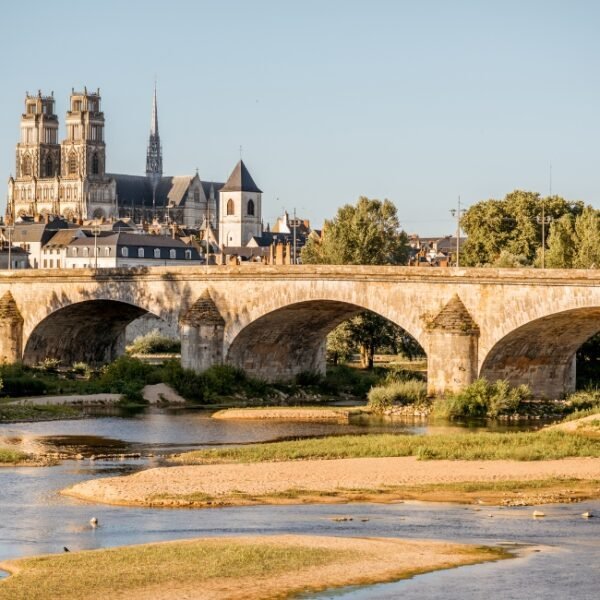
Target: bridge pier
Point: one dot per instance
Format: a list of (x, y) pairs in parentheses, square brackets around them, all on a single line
[(11, 330), (453, 338), (202, 330)]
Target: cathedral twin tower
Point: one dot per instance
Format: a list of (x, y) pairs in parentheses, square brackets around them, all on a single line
[(66, 178), (69, 178)]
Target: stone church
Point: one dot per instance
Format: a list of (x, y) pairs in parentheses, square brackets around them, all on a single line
[(69, 178)]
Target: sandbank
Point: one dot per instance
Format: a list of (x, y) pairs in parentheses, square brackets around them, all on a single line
[(340, 479), (257, 567)]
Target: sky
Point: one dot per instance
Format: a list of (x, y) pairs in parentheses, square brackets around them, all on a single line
[(419, 102)]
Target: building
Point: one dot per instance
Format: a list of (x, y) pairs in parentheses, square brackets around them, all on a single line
[(69, 178), (13, 258), (66, 179), (117, 249)]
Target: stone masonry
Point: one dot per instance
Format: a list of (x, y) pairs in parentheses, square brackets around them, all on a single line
[(524, 325)]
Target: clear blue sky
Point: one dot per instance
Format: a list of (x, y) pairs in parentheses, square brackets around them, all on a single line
[(415, 101)]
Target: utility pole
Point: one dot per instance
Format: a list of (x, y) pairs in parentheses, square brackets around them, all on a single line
[(9, 229), (95, 231), (206, 234), (544, 220)]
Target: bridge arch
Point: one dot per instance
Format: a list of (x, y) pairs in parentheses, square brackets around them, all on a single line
[(541, 353), (291, 339), (91, 331)]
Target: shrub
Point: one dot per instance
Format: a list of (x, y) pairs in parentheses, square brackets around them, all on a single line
[(18, 380), (583, 400), (383, 397), (483, 399), (309, 378), (50, 365), (154, 343), (127, 376)]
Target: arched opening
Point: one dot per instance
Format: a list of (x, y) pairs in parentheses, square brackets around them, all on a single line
[(251, 207), (290, 340), (26, 166), (95, 164), (230, 207), (49, 167), (542, 353), (72, 163), (92, 331)]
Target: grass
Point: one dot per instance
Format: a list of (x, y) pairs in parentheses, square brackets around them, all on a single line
[(507, 493), (383, 397), (12, 457), (250, 569), (33, 412), (106, 572), (542, 445)]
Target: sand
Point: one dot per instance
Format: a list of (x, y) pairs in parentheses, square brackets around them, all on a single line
[(286, 414), (576, 424), (319, 475)]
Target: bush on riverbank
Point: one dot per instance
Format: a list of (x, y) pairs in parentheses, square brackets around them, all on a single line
[(154, 343), (399, 393), (483, 399), (8, 456)]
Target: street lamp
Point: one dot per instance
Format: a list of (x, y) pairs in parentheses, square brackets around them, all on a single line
[(95, 231), (544, 220), (458, 213), (9, 229)]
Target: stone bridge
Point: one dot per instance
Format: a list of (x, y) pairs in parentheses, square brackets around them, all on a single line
[(523, 325)]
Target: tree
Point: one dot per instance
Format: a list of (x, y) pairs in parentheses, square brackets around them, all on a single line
[(587, 240), (367, 233), (561, 243), (510, 226)]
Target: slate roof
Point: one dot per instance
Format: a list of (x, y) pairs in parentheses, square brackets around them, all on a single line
[(137, 190), (110, 238), (36, 232), (61, 238), (455, 318), (240, 180)]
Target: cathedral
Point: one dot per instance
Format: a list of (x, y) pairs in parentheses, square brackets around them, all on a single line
[(69, 178)]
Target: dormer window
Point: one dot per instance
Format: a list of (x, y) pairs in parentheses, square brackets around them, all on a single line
[(188, 254), (172, 253), (124, 251), (140, 253), (156, 252)]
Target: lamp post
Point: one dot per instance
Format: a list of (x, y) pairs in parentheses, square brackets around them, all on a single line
[(458, 213), (95, 231), (544, 220), (295, 223), (9, 229)]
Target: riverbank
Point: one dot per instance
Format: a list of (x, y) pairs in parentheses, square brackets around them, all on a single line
[(342, 480), (232, 568)]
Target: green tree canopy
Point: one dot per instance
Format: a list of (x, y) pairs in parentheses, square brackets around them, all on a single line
[(500, 229), (367, 233)]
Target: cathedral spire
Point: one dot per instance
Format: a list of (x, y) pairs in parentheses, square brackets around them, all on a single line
[(154, 152)]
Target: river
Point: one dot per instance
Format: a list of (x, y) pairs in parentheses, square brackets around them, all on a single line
[(35, 519)]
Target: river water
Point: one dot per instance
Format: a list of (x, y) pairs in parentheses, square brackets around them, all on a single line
[(35, 519)]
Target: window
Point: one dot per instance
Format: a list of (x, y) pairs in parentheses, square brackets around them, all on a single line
[(72, 165), (140, 253), (74, 252), (49, 168), (95, 164), (172, 253), (125, 252), (197, 196), (106, 251), (26, 165), (86, 251), (230, 207), (188, 254), (156, 252), (251, 207)]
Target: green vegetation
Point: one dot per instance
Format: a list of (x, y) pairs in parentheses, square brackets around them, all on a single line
[(12, 457), (154, 343), (367, 233), (542, 445), (116, 571), (384, 397), (484, 399), (34, 412), (507, 233)]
